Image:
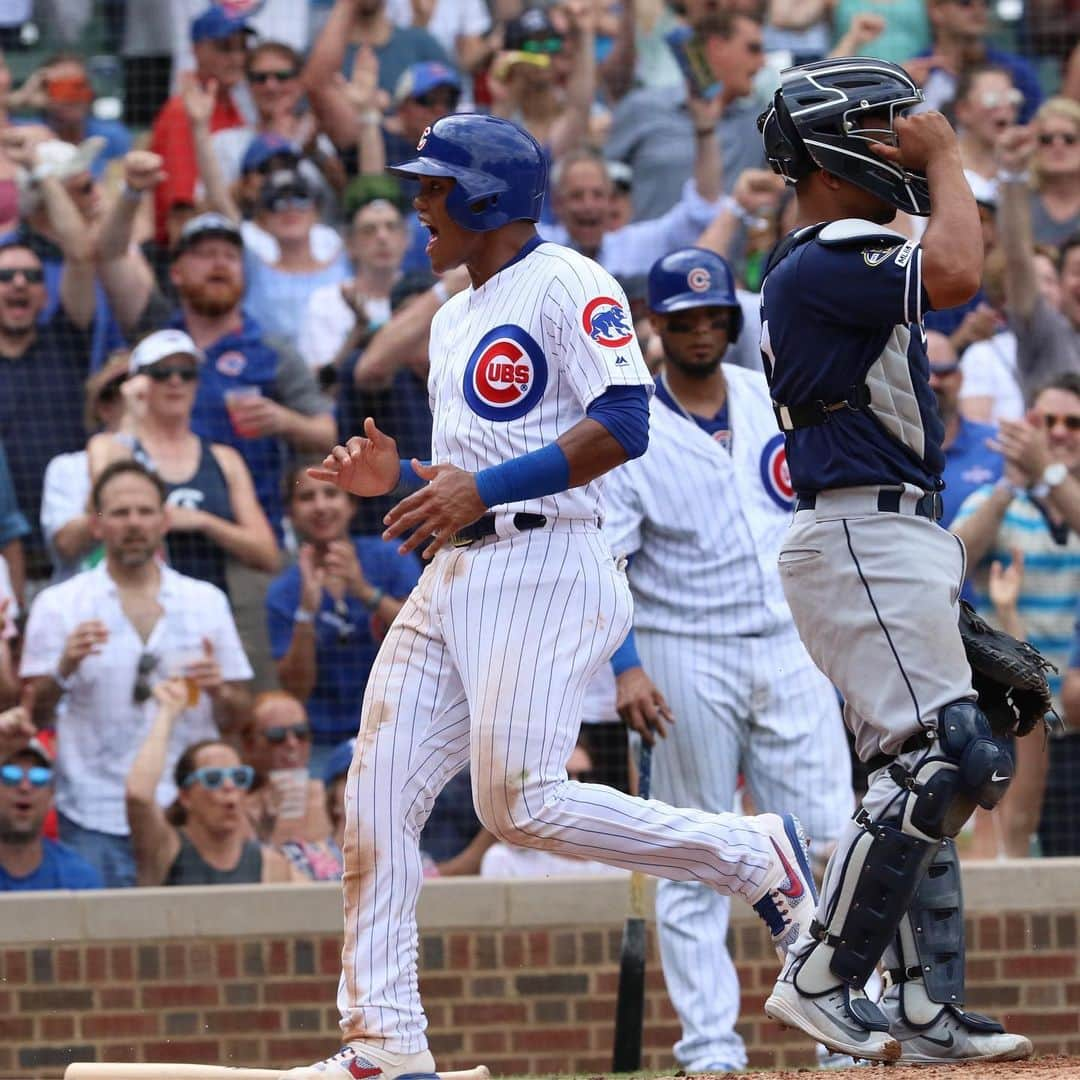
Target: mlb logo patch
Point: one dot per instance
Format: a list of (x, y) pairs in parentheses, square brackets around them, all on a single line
[(607, 323)]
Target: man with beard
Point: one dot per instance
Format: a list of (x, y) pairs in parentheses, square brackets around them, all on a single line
[(256, 394), (41, 365), (101, 641), (28, 860), (701, 515)]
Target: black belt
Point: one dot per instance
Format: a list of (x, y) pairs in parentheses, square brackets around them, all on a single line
[(888, 502), (919, 741), (484, 527)]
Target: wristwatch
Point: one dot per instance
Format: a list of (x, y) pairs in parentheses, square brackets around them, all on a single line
[(1054, 474)]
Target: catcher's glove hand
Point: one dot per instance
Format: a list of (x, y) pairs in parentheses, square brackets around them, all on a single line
[(1009, 676)]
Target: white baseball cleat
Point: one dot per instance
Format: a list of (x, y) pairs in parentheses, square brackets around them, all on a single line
[(359, 1061), (788, 907), (955, 1035), (840, 1021)]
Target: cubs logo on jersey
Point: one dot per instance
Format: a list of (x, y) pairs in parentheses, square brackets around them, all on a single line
[(505, 375), (774, 473), (607, 323), (231, 363)]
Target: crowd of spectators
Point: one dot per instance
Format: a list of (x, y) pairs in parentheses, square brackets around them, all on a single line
[(207, 277)]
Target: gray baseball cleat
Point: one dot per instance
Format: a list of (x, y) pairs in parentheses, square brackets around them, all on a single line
[(954, 1035), (843, 1021)]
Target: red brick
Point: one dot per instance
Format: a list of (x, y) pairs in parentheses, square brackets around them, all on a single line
[(227, 967), (513, 950), (600, 1009), (981, 969), (606, 983), (564, 1038), (300, 992), (330, 956), (277, 962), (201, 1052), (175, 961), (178, 996), (489, 1012), (229, 1022), (665, 1034), (1016, 932), (57, 1027), (21, 1027), (1072, 993), (68, 965), (488, 1042), (539, 948), (459, 956), (442, 986), (1035, 967), (122, 962), (301, 1051), (117, 997), (115, 1025), (96, 964), (15, 966), (116, 1052), (1043, 1023)]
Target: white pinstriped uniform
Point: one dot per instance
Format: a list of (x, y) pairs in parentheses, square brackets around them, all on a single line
[(715, 634), (488, 661)]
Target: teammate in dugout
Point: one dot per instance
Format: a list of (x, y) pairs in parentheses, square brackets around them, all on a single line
[(871, 578), (703, 513), (537, 389)]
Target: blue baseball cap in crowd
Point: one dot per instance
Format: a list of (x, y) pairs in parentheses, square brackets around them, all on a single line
[(337, 764), (264, 148), (215, 23), (422, 78)]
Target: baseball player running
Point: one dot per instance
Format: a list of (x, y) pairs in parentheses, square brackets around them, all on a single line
[(702, 514), (871, 578), (537, 388)]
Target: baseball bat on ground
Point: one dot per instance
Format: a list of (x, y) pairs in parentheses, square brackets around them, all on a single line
[(630, 1002), (148, 1070)]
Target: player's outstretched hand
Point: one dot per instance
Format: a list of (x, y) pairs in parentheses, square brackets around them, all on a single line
[(366, 465), (920, 138), (641, 706), (449, 502)]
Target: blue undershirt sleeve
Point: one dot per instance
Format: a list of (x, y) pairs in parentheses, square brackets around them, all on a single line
[(624, 411)]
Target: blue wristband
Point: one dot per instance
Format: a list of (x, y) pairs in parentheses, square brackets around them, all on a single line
[(625, 656), (407, 478), (543, 472)]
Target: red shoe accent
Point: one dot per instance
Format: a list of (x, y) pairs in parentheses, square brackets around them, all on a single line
[(795, 885)]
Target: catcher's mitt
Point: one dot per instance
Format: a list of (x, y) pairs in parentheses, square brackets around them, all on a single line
[(1009, 676)]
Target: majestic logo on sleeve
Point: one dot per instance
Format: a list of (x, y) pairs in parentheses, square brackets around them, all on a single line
[(607, 323), (774, 473), (506, 374)]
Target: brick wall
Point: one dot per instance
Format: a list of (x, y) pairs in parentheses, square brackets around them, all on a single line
[(528, 987)]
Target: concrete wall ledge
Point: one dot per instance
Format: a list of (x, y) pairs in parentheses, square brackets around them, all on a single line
[(242, 911)]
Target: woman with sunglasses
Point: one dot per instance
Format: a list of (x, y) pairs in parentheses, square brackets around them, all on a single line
[(204, 838), (286, 806), (1055, 172), (213, 511)]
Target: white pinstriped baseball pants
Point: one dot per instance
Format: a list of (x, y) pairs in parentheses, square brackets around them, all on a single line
[(486, 665), (759, 705)]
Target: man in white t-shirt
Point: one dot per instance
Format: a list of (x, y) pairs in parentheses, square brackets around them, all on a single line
[(376, 245), (458, 26), (99, 643)]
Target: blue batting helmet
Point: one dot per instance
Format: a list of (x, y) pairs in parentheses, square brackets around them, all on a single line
[(499, 169), (694, 277)]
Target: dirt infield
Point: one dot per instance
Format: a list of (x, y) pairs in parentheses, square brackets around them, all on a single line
[(1043, 1068)]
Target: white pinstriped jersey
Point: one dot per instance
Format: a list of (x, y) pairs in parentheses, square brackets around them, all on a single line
[(516, 362), (705, 525)]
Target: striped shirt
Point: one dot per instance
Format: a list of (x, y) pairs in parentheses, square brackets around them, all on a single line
[(1051, 585), (516, 362)]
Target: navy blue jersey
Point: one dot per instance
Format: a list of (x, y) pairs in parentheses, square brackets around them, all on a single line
[(843, 308)]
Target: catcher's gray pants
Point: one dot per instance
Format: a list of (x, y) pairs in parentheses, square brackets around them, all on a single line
[(875, 596)]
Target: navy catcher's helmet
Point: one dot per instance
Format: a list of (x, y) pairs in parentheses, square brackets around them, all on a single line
[(694, 277), (814, 122), (499, 168)]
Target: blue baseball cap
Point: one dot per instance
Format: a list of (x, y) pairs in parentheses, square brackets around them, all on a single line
[(337, 764), (424, 77), (263, 148), (215, 23)]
